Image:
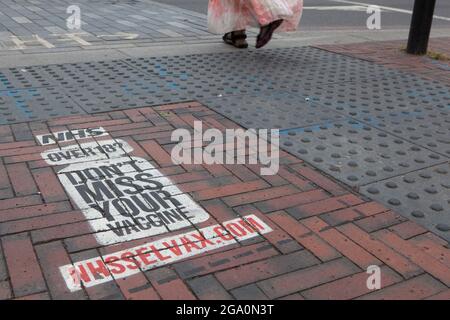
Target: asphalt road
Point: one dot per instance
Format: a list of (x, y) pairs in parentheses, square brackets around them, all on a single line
[(343, 14)]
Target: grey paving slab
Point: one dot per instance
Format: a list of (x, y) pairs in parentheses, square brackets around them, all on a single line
[(277, 110), (20, 78), (258, 63), (35, 104), (79, 74), (110, 97), (428, 127), (90, 73), (368, 101), (423, 196), (355, 153), (417, 109), (250, 72)]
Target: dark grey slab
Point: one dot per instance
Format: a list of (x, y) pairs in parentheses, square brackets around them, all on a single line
[(93, 73), (423, 196), (35, 104), (428, 127), (22, 78), (109, 97), (74, 74), (274, 110), (283, 69), (355, 153), (375, 101)]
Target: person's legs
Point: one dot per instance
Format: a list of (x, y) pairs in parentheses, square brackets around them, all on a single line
[(236, 39), (233, 16), (272, 14)]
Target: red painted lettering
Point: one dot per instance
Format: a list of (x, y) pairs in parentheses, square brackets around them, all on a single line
[(144, 254), (188, 245), (173, 247), (113, 266), (128, 257), (222, 233), (158, 254)]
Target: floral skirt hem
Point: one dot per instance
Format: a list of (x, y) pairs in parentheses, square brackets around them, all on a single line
[(231, 15)]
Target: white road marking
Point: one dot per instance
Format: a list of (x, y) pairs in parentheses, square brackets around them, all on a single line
[(138, 17), (169, 33), (44, 42), (76, 37), (386, 8), (21, 20), (337, 8), (122, 35), (127, 23), (18, 43), (21, 44)]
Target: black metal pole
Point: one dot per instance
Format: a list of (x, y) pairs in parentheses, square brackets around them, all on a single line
[(422, 20)]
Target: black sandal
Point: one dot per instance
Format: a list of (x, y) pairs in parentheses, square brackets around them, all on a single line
[(237, 39), (266, 33)]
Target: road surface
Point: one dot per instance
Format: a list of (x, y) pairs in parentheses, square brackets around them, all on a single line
[(343, 14)]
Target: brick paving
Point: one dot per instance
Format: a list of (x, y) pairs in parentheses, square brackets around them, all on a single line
[(322, 239)]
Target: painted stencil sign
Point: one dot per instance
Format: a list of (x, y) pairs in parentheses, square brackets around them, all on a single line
[(123, 197), (164, 251), (70, 135)]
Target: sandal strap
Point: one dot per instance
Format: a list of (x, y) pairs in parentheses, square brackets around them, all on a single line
[(238, 36), (236, 40), (233, 37)]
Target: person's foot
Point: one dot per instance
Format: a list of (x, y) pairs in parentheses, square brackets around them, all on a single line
[(236, 39), (266, 33)]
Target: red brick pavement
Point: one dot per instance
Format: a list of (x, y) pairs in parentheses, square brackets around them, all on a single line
[(324, 237)]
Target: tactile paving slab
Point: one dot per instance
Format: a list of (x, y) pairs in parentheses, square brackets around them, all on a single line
[(221, 85), (427, 126), (93, 73), (297, 55), (412, 85), (423, 196), (203, 78), (377, 100), (35, 104), (22, 78), (356, 153), (100, 98), (71, 74), (285, 69), (275, 110), (332, 80), (251, 60), (421, 118)]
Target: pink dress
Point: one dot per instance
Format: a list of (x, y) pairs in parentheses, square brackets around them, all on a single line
[(231, 15)]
